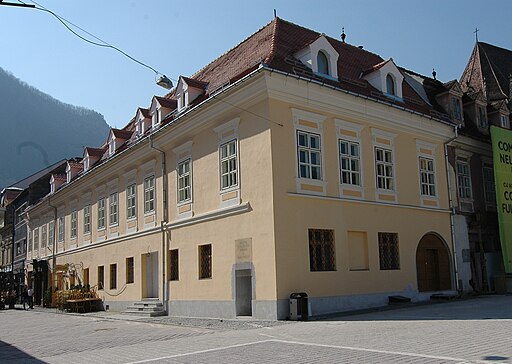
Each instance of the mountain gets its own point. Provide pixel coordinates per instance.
(36, 130)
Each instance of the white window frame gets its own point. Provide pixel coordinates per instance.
(306, 149)
(184, 181)
(44, 236)
(131, 201)
(61, 229)
(229, 194)
(229, 159)
(388, 180)
(36, 240)
(51, 233)
(29, 241)
(149, 195)
(465, 179)
(101, 213)
(74, 224)
(428, 174)
(113, 215)
(87, 219)
(349, 157)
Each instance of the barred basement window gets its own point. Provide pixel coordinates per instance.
(175, 271)
(101, 276)
(205, 261)
(113, 276)
(129, 270)
(389, 254)
(321, 250)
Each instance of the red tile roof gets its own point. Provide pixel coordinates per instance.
(195, 83)
(167, 103)
(122, 134)
(145, 112)
(95, 152)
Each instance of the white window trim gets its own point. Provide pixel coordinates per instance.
(228, 132)
(356, 129)
(422, 145)
(104, 199)
(134, 217)
(73, 221)
(87, 232)
(183, 153)
(464, 199)
(318, 120)
(390, 137)
(153, 211)
(113, 216)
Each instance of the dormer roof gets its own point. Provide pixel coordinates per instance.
(121, 134)
(94, 152)
(166, 102)
(145, 113)
(194, 83)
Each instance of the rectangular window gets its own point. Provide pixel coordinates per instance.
(389, 255)
(184, 181)
(74, 221)
(205, 261)
(384, 169)
(504, 121)
(457, 113)
(29, 241)
(463, 180)
(85, 277)
(87, 219)
(36, 239)
(112, 220)
(61, 229)
(101, 213)
(350, 171)
(309, 155)
(101, 277)
(482, 119)
(427, 177)
(321, 250)
(44, 237)
(228, 164)
(51, 234)
(175, 270)
(129, 270)
(113, 276)
(131, 201)
(489, 186)
(149, 194)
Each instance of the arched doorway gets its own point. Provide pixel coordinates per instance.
(433, 264)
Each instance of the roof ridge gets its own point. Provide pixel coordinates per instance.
(273, 46)
(494, 46)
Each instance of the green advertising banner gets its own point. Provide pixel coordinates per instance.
(502, 157)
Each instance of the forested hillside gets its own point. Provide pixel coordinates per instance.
(37, 130)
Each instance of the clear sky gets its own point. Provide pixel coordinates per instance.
(180, 37)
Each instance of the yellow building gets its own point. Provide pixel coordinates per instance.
(294, 162)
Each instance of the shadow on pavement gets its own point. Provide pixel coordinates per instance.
(498, 307)
(12, 354)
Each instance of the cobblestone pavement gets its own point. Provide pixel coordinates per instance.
(470, 331)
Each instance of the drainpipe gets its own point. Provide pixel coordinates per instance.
(452, 207)
(54, 248)
(13, 232)
(163, 223)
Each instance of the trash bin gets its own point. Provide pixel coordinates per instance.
(299, 306)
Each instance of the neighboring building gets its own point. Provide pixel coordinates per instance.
(294, 162)
(14, 232)
(484, 93)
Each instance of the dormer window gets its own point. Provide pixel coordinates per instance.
(456, 109)
(155, 118)
(183, 103)
(482, 118)
(390, 85)
(112, 145)
(86, 163)
(323, 63)
(68, 173)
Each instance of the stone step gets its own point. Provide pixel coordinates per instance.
(148, 304)
(144, 313)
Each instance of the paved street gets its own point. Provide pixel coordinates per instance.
(477, 330)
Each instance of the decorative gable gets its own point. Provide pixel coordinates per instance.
(116, 138)
(387, 78)
(321, 57)
(72, 169)
(91, 156)
(188, 90)
(159, 109)
(142, 121)
(56, 180)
